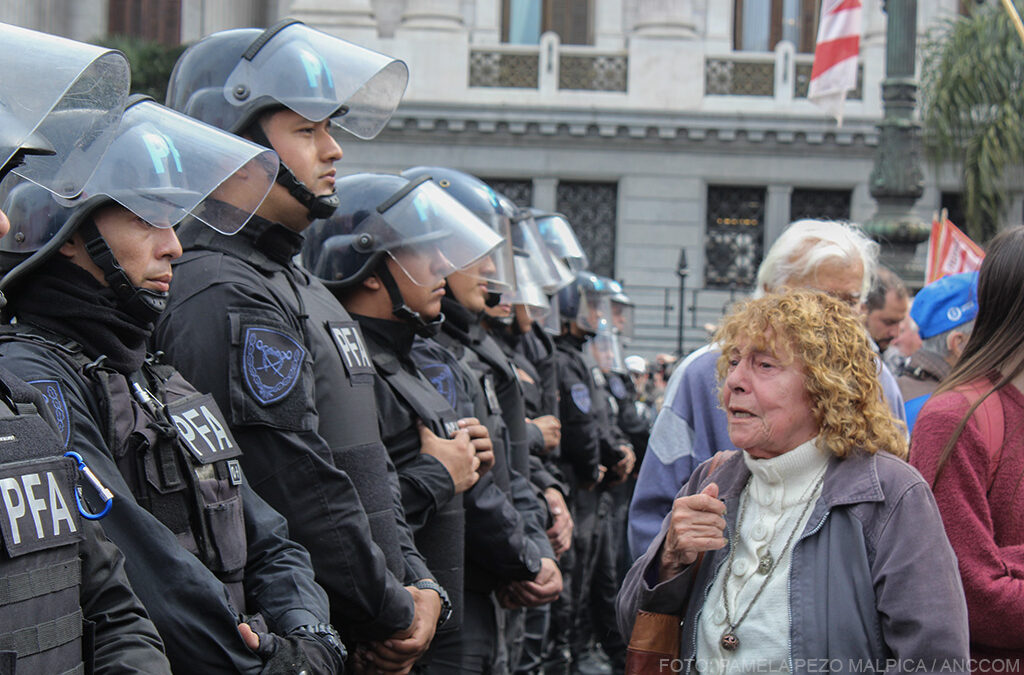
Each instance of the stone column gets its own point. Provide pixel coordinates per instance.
(609, 31)
(666, 60)
(664, 18)
(777, 214)
(434, 15)
(348, 19)
(545, 193)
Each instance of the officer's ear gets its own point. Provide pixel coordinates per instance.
(373, 283)
(73, 247)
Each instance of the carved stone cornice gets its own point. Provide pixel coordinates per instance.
(744, 133)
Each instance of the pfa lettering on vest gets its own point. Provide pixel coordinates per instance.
(203, 429)
(349, 341)
(38, 502)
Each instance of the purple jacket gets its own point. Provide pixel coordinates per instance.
(873, 578)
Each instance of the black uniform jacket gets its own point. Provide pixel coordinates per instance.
(497, 547)
(463, 334)
(288, 366)
(187, 602)
(581, 442)
(540, 397)
(122, 638)
(405, 398)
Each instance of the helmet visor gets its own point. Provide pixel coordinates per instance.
(429, 234)
(62, 104)
(607, 352)
(320, 76)
(623, 318)
(499, 269)
(595, 312)
(164, 166)
(548, 270)
(552, 322)
(559, 236)
(529, 291)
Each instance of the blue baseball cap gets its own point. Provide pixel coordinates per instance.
(945, 304)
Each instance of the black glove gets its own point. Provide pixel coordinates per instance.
(301, 652)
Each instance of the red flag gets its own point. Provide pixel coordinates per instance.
(835, 56)
(950, 251)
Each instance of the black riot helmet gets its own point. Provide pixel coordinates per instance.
(60, 101)
(162, 166)
(587, 303)
(229, 79)
(560, 237)
(384, 216)
(494, 209)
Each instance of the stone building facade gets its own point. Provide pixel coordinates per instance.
(664, 129)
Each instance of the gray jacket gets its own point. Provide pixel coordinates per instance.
(873, 576)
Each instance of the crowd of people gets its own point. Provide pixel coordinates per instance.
(259, 418)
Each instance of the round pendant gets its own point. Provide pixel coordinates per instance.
(730, 642)
(764, 563)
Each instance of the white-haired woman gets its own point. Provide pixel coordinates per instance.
(833, 257)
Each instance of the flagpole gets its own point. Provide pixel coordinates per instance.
(1015, 17)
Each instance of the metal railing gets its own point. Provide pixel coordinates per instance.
(549, 66)
(662, 327)
(782, 74)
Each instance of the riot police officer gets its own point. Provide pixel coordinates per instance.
(211, 561)
(386, 254)
(69, 576)
(463, 334)
(281, 356)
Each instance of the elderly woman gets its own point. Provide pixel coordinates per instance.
(815, 547)
(835, 258)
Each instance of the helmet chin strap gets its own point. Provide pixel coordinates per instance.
(142, 304)
(317, 207)
(402, 311)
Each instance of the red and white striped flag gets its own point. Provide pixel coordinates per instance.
(835, 56)
(950, 251)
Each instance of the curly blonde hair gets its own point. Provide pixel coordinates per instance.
(841, 367)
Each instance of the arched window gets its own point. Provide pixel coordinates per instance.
(759, 25)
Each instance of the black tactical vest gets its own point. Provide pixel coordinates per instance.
(175, 451)
(440, 540)
(343, 376)
(41, 621)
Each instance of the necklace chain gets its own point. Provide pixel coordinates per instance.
(774, 563)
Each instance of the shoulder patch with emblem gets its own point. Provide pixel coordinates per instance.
(349, 341)
(581, 397)
(617, 388)
(441, 376)
(54, 396)
(272, 363)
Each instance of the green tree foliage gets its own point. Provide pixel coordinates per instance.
(151, 63)
(973, 108)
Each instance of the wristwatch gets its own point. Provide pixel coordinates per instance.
(446, 604)
(325, 633)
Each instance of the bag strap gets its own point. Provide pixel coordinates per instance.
(989, 416)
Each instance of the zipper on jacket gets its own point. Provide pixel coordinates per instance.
(789, 581)
(696, 618)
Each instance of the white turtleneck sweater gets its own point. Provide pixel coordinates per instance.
(772, 506)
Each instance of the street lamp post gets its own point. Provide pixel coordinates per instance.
(682, 269)
(896, 180)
